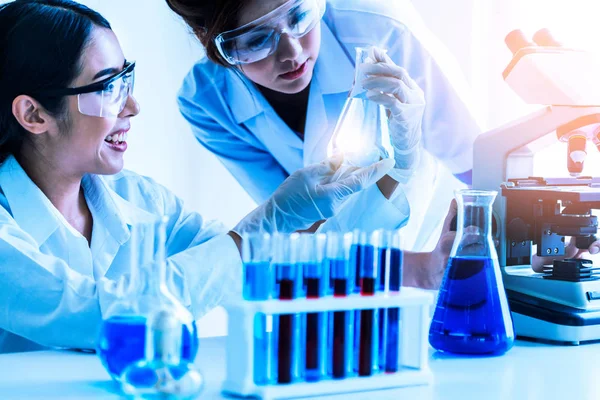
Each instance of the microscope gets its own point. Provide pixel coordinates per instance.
(534, 215)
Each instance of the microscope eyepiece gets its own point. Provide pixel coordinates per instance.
(544, 37)
(516, 40)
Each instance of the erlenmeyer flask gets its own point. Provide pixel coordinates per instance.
(361, 133)
(472, 314)
(148, 339)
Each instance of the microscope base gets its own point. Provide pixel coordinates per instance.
(540, 319)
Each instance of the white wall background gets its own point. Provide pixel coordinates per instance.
(162, 146)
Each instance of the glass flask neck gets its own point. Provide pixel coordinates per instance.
(362, 56)
(153, 279)
(474, 224)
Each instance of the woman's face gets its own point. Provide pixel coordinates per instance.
(90, 144)
(290, 68)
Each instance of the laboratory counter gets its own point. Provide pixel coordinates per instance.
(529, 371)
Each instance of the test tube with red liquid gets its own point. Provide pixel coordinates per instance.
(311, 259)
(341, 323)
(287, 327)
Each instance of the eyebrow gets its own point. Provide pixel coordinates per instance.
(109, 71)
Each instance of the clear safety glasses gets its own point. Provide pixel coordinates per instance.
(106, 98)
(259, 39)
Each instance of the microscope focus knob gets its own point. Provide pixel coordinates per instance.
(517, 230)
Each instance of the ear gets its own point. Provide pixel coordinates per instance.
(31, 115)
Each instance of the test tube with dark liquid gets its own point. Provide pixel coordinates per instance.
(341, 326)
(287, 326)
(311, 259)
(390, 260)
(258, 285)
(363, 262)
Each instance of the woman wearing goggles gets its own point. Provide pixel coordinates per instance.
(66, 207)
(274, 83)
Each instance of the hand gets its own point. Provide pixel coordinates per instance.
(312, 194)
(391, 86)
(571, 251)
(428, 271)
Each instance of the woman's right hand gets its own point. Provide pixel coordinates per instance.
(312, 194)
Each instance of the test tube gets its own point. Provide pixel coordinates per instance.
(287, 326)
(362, 252)
(390, 260)
(367, 342)
(258, 285)
(311, 259)
(341, 326)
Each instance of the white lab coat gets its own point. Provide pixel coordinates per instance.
(54, 286)
(231, 118)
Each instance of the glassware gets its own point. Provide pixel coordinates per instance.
(472, 314)
(361, 132)
(341, 323)
(148, 339)
(311, 252)
(390, 260)
(259, 281)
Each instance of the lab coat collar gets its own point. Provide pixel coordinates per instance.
(245, 101)
(334, 69)
(116, 213)
(29, 206)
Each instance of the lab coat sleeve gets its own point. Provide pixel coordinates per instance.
(206, 263)
(43, 299)
(256, 170)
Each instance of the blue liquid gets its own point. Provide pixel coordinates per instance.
(258, 280)
(258, 285)
(362, 258)
(389, 319)
(472, 314)
(123, 339)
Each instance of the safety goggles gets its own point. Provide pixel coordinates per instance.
(259, 39)
(106, 98)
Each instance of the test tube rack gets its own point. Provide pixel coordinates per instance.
(414, 318)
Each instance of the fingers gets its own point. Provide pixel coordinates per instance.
(365, 177)
(595, 247)
(389, 70)
(452, 212)
(392, 103)
(387, 84)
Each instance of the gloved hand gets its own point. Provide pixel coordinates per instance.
(391, 86)
(312, 194)
(571, 251)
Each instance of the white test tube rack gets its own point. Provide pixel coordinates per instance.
(413, 366)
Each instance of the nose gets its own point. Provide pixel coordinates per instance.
(131, 109)
(289, 48)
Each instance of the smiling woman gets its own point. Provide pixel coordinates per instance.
(67, 207)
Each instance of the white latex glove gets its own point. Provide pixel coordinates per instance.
(312, 194)
(391, 86)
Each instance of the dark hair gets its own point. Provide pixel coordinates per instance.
(41, 43)
(207, 19)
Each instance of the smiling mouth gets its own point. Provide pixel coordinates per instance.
(117, 138)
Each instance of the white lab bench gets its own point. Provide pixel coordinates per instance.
(529, 371)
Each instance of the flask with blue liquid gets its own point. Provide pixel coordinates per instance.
(148, 339)
(472, 314)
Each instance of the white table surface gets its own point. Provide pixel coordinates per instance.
(529, 371)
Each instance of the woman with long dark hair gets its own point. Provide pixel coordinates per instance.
(67, 207)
